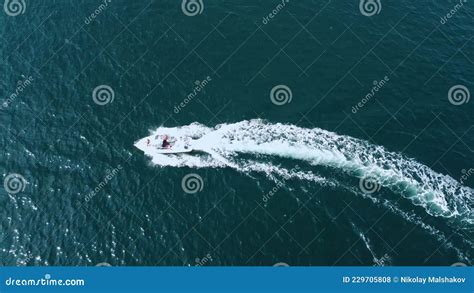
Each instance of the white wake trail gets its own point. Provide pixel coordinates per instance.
(222, 146)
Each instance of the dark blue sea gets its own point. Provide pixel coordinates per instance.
(323, 132)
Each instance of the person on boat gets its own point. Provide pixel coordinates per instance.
(165, 143)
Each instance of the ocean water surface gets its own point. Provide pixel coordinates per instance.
(324, 132)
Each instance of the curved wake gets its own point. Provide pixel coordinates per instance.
(222, 146)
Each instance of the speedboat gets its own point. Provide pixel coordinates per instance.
(163, 144)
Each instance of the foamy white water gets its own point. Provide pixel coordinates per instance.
(440, 195)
